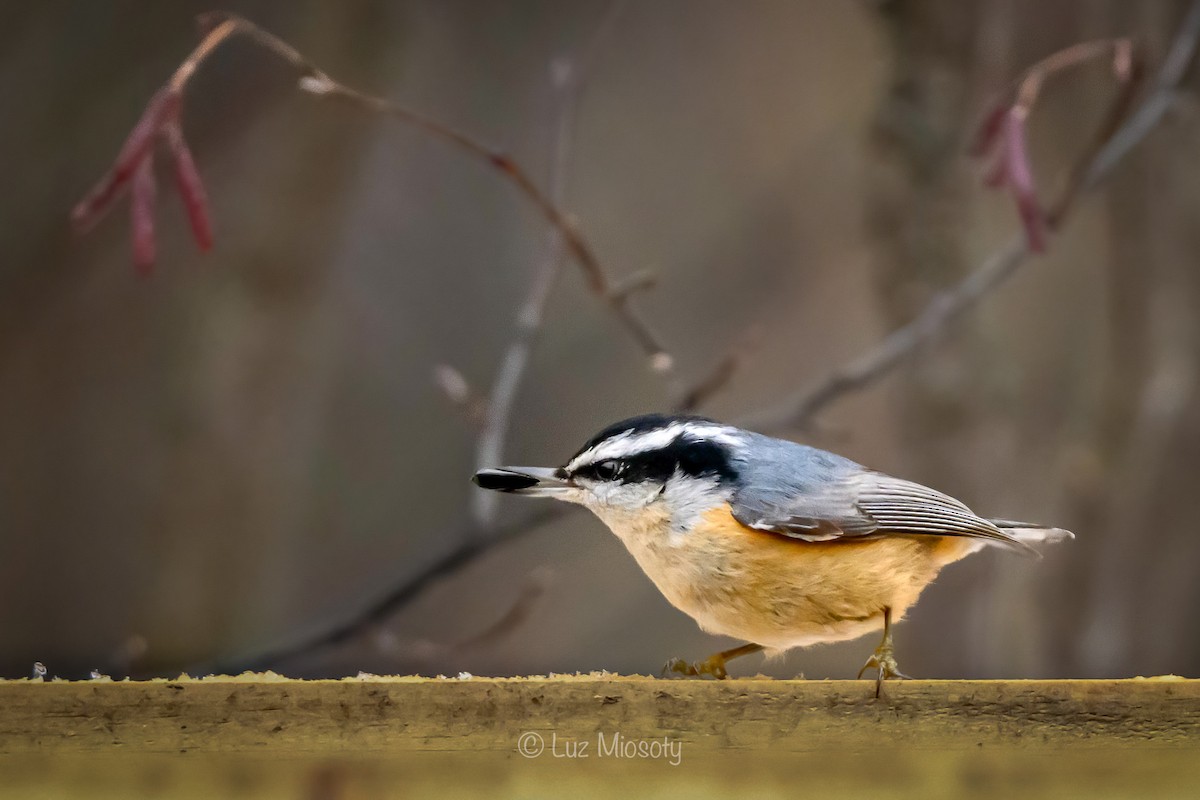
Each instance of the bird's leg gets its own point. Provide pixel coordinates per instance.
(713, 665)
(884, 657)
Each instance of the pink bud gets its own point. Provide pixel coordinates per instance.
(191, 187)
(141, 208)
(1020, 180)
(164, 106)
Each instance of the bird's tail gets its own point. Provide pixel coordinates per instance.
(1028, 533)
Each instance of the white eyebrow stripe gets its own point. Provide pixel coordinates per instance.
(629, 443)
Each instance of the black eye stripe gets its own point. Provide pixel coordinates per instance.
(692, 457)
(704, 458)
(605, 470)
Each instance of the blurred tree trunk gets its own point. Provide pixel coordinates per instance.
(959, 400)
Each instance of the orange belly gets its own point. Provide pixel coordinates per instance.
(783, 593)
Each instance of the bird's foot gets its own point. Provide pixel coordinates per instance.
(883, 660)
(713, 665)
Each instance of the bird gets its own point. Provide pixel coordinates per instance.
(768, 541)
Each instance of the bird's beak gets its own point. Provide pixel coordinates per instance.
(535, 481)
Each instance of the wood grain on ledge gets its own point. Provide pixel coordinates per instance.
(395, 715)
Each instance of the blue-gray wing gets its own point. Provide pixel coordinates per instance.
(850, 502)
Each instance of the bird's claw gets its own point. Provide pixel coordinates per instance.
(883, 660)
(695, 669)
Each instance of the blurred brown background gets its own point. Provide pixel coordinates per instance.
(249, 446)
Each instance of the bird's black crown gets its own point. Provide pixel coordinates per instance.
(691, 455)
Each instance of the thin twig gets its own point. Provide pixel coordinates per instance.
(1161, 97)
(1029, 85)
(946, 307)
(221, 27)
(900, 344)
(570, 78)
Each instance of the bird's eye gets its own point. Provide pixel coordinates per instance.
(607, 470)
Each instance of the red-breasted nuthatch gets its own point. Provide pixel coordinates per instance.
(766, 540)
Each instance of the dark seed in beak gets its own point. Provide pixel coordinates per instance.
(500, 480)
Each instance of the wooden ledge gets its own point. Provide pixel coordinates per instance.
(272, 715)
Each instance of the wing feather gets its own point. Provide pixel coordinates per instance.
(865, 504)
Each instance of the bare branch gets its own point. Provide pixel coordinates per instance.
(570, 78)
(900, 344)
(222, 27)
(1151, 110)
(880, 360)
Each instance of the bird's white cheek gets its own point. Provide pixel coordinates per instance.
(689, 499)
(624, 496)
(624, 507)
